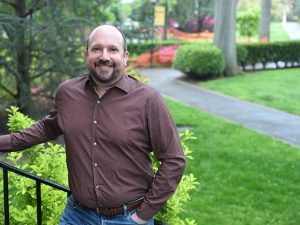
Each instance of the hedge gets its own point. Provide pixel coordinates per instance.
(142, 47)
(247, 54)
(286, 52)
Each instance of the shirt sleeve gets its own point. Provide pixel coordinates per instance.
(167, 149)
(42, 131)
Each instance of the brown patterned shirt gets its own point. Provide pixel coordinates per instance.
(108, 142)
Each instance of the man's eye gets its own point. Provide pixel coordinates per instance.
(113, 49)
(96, 49)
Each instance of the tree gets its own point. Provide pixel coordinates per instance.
(42, 42)
(296, 8)
(247, 21)
(280, 9)
(180, 11)
(265, 19)
(189, 11)
(243, 5)
(225, 17)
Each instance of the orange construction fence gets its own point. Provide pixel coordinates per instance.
(180, 35)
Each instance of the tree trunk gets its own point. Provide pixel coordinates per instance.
(225, 26)
(264, 22)
(23, 61)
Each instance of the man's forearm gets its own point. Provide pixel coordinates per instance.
(163, 187)
(5, 143)
(36, 134)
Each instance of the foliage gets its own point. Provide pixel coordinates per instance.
(36, 160)
(247, 54)
(35, 51)
(296, 8)
(142, 12)
(185, 15)
(192, 16)
(243, 5)
(132, 72)
(202, 23)
(200, 61)
(248, 20)
(142, 47)
(162, 56)
(287, 52)
(170, 214)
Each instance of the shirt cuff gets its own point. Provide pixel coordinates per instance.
(5, 142)
(146, 212)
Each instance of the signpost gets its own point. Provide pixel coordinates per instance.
(159, 15)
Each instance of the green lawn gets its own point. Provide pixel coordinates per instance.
(277, 32)
(245, 177)
(274, 88)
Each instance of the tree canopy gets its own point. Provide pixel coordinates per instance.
(42, 43)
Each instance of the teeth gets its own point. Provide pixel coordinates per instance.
(104, 64)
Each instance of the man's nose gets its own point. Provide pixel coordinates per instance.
(104, 55)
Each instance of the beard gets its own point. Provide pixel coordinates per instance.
(105, 72)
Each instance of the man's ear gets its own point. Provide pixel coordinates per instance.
(86, 53)
(125, 59)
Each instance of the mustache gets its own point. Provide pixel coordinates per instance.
(104, 63)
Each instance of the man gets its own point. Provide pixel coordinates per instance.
(110, 122)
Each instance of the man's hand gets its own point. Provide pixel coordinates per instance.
(137, 219)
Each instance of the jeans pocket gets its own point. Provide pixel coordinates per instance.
(134, 222)
(72, 203)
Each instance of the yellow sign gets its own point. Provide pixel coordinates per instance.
(159, 15)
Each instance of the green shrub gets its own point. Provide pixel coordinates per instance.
(142, 47)
(138, 48)
(170, 214)
(286, 52)
(134, 73)
(200, 61)
(37, 160)
(242, 54)
(248, 20)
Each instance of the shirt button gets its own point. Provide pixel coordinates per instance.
(98, 102)
(98, 187)
(94, 143)
(95, 121)
(95, 164)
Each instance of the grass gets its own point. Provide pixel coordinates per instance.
(277, 32)
(245, 177)
(274, 88)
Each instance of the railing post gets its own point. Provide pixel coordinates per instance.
(38, 203)
(39, 181)
(6, 201)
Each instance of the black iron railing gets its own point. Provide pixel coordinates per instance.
(8, 168)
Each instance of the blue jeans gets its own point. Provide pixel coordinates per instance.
(75, 214)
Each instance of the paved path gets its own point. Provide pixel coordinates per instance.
(265, 120)
(293, 30)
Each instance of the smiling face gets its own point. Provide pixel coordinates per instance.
(105, 56)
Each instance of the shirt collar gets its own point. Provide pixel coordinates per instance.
(123, 83)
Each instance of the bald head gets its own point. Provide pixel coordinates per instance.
(109, 29)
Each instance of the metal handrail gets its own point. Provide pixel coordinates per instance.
(6, 167)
